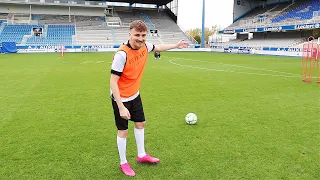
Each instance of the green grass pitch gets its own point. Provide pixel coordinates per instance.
(256, 119)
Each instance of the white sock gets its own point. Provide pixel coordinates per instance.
(139, 134)
(122, 144)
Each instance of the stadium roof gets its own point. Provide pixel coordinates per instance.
(157, 2)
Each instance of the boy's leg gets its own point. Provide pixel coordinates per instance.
(122, 126)
(137, 115)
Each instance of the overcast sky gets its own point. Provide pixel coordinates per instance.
(218, 12)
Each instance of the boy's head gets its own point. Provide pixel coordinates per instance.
(137, 34)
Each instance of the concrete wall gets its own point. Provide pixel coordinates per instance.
(53, 10)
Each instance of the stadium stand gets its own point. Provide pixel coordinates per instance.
(58, 28)
(94, 36)
(15, 33)
(117, 32)
(168, 30)
(56, 35)
(275, 15)
(278, 14)
(302, 12)
(54, 19)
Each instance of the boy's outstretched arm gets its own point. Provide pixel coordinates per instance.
(164, 47)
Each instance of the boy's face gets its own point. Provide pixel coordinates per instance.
(137, 39)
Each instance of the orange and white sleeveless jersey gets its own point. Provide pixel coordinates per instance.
(129, 64)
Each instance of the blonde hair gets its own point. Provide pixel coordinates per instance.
(138, 25)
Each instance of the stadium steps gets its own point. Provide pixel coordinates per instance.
(98, 37)
(188, 36)
(168, 30)
(273, 14)
(293, 7)
(45, 31)
(275, 7)
(298, 43)
(160, 40)
(270, 42)
(287, 7)
(74, 39)
(25, 39)
(1, 27)
(114, 37)
(147, 21)
(277, 10)
(113, 21)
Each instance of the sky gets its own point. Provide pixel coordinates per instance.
(218, 12)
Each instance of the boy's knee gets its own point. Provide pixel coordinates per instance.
(140, 125)
(123, 133)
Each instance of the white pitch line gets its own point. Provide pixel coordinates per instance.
(246, 67)
(237, 72)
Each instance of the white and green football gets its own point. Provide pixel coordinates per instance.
(191, 118)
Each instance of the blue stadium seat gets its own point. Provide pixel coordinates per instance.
(15, 33)
(56, 35)
(303, 12)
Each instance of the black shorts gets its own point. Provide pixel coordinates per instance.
(136, 111)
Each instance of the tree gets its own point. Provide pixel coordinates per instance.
(197, 38)
(197, 34)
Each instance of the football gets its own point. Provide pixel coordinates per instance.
(191, 118)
